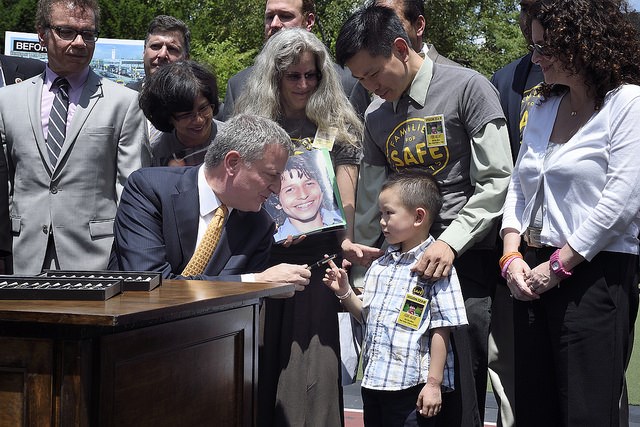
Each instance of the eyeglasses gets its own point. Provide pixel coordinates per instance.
(539, 49)
(69, 34)
(205, 112)
(295, 77)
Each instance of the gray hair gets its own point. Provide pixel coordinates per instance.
(328, 106)
(248, 135)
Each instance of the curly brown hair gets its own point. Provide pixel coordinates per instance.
(594, 38)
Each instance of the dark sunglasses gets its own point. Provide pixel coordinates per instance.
(539, 49)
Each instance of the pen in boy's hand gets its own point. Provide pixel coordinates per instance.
(322, 262)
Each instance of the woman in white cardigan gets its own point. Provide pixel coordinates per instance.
(573, 204)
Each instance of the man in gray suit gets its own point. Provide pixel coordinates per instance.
(13, 70)
(65, 188)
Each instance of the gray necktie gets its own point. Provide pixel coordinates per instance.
(58, 119)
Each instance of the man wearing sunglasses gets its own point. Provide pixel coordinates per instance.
(281, 14)
(72, 139)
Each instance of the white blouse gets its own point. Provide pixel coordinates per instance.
(591, 184)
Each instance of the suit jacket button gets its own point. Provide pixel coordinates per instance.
(45, 229)
(54, 190)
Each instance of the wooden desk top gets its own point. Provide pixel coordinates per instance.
(174, 299)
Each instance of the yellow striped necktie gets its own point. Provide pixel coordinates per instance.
(208, 244)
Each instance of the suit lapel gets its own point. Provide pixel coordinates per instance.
(186, 211)
(521, 74)
(34, 105)
(10, 72)
(91, 92)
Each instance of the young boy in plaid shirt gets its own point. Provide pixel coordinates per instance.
(408, 361)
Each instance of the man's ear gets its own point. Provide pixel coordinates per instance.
(232, 162)
(42, 36)
(401, 49)
(419, 26)
(309, 21)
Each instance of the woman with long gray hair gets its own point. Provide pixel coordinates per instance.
(294, 82)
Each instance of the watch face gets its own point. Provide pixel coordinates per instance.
(555, 266)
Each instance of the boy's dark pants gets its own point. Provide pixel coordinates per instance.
(393, 408)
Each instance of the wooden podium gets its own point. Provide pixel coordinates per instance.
(184, 354)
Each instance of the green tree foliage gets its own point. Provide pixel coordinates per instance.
(224, 58)
(115, 24)
(17, 15)
(481, 34)
(331, 14)
(227, 34)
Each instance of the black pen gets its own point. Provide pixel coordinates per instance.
(322, 262)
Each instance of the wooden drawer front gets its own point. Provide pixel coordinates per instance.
(191, 372)
(26, 368)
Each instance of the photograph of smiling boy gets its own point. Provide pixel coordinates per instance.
(307, 202)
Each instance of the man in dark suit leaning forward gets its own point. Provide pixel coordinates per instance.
(164, 212)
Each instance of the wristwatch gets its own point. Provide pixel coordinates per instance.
(557, 267)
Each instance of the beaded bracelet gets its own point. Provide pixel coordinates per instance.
(345, 296)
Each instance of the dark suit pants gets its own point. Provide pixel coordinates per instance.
(571, 346)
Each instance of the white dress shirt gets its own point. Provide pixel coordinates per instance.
(209, 202)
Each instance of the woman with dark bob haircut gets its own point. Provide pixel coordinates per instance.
(574, 198)
(180, 100)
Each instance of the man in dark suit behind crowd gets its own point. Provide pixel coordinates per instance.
(164, 212)
(168, 40)
(13, 70)
(67, 169)
(281, 14)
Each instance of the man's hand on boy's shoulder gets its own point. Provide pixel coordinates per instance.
(436, 261)
(360, 254)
